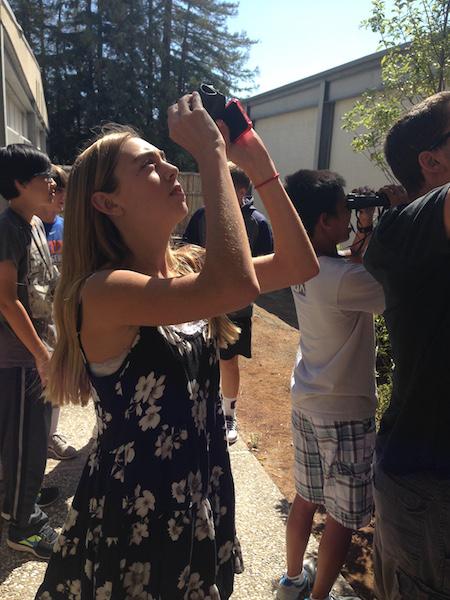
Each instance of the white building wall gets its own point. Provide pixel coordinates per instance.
(290, 139)
(356, 169)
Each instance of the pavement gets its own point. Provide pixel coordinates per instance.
(261, 516)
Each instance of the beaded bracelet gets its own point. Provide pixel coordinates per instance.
(274, 176)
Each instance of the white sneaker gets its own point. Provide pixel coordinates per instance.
(232, 434)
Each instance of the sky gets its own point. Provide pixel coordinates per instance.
(298, 38)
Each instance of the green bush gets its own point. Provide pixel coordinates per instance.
(384, 367)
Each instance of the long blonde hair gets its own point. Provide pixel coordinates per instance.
(101, 245)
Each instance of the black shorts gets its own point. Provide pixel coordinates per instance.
(243, 345)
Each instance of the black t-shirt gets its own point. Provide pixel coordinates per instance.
(409, 254)
(25, 245)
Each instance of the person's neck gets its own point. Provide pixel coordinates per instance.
(325, 248)
(47, 216)
(427, 187)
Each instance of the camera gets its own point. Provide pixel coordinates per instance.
(231, 112)
(358, 201)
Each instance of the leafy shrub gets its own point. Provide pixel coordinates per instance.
(384, 367)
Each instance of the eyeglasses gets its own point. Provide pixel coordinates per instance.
(46, 175)
(440, 141)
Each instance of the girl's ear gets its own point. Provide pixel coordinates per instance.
(105, 204)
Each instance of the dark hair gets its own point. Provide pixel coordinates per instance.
(20, 162)
(60, 176)
(239, 177)
(418, 130)
(314, 193)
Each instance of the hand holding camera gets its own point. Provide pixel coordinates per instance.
(192, 128)
(231, 112)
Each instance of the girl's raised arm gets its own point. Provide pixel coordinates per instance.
(294, 260)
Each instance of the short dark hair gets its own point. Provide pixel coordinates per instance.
(59, 176)
(418, 130)
(20, 162)
(314, 193)
(239, 177)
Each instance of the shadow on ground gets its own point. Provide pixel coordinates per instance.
(65, 475)
(281, 304)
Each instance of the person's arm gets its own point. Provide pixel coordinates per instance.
(293, 260)
(359, 291)
(226, 282)
(17, 317)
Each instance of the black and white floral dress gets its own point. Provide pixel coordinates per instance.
(153, 515)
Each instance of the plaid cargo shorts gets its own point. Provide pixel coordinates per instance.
(333, 466)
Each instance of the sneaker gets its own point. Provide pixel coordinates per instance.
(39, 544)
(59, 448)
(231, 425)
(288, 590)
(47, 496)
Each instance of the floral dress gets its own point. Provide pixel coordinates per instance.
(153, 515)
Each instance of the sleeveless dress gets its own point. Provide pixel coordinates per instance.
(153, 515)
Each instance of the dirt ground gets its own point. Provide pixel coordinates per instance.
(264, 417)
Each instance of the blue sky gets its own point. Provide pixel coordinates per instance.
(298, 38)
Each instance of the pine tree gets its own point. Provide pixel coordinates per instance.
(127, 61)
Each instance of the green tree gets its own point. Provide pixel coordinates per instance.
(127, 61)
(416, 64)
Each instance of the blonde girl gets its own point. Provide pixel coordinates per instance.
(138, 325)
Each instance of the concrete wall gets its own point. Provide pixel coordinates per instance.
(23, 113)
(301, 123)
(25, 57)
(290, 138)
(356, 169)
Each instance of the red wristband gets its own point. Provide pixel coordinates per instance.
(274, 176)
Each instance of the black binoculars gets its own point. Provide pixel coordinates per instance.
(231, 112)
(359, 201)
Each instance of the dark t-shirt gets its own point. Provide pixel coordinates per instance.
(409, 254)
(25, 245)
(258, 231)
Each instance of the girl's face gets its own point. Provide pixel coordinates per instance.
(148, 190)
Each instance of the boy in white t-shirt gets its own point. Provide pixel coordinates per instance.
(333, 390)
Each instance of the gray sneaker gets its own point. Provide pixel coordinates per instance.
(287, 590)
(59, 448)
(232, 433)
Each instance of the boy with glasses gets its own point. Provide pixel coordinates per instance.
(27, 279)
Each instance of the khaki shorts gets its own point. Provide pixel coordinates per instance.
(333, 466)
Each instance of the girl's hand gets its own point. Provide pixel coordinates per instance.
(191, 127)
(249, 153)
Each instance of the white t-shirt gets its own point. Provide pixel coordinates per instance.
(334, 373)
